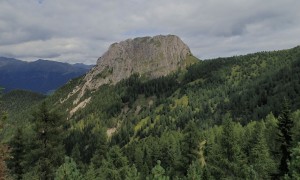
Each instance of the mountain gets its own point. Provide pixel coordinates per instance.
(211, 119)
(41, 76)
(248, 87)
(149, 57)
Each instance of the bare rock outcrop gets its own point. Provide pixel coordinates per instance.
(150, 57)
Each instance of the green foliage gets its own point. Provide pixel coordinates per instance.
(263, 164)
(83, 144)
(190, 143)
(46, 149)
(195, 171)
(115, 166)
(3, 147)
(294, 166)
(17, 105)
(133, 174)
(68, 171)
(219, 119)
(91, 173)
(16, 160)
(158, 172)
(285, 124)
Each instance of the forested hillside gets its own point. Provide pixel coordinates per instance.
(225, 118)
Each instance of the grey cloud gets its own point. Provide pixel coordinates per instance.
(81, 31)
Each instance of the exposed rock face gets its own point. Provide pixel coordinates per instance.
(151, 57)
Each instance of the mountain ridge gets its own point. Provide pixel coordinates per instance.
(41, 76)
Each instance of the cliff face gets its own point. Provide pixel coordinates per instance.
(150, 57)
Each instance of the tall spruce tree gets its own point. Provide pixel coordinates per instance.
(285, 125)
(15, 162)
(233, 160)
(190, 143)
(68, 171)
(259, 157)
(158, 172)
(47, 151)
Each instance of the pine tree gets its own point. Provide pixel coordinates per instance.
(259, 156)
(294, 166)
(115, 166)
(132, 174)
(15, 163)
(272, 130)
(232, 159)
(158, 172)
(91, 173)
(75, 155)
(101, 146)
(195, 171)
(68, 171)
(138, 157)
(190, 143)
(285, 125)
(47, 149)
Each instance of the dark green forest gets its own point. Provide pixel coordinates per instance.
(224, 118)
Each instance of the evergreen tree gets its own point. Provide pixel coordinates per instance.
(195, 171)
(115, 166)
(138, 157)
(75, 155)
(15, 163)
(132, 174)
(229, 141)
(259, 156)
(271, 131)
(158, 172)
(233, 160)
(91, 173)
(294, 165)
(171, 153)
(68, 171)
(101, 148)
(285, 125)
(47, 149)
(190, 143)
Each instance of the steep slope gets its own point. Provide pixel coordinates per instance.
(216, 119)
(150, 57)
(40, 76)
(248, 87)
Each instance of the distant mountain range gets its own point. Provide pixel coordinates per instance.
(42, 76)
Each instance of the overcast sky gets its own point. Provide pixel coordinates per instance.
(82, 30)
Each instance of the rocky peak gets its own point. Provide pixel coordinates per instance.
(148, 56)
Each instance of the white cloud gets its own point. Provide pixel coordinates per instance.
(81, 31)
